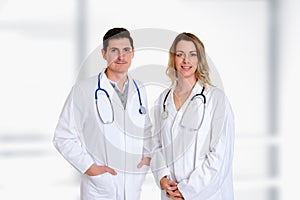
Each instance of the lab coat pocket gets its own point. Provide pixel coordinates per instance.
(193, 115)
(101, 187)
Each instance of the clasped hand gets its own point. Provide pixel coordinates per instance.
(171, 189)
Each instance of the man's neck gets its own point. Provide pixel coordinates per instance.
(118, 78)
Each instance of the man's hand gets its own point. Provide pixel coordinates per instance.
(95, 170)
(144, 161)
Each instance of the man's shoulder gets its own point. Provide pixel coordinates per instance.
(87, 81)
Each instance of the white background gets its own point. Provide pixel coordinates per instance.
(44, 43)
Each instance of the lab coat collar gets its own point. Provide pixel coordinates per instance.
(105, 84)
(115, 85)
(196, 89)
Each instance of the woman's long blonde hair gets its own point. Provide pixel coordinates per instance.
(202, 71)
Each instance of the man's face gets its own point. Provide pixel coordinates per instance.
(119, 55)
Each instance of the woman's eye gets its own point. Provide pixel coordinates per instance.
(179, 54)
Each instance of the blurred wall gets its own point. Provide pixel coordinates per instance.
(45, 44)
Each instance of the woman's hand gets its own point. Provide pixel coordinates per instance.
(175, 195)
(171, 188)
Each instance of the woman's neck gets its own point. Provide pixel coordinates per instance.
(182, 91)
(185, 85)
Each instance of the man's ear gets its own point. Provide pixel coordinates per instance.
(132, 54)
(103, 54)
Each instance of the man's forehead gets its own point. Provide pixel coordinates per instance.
(119, 42)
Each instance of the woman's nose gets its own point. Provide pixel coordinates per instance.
(185, 59)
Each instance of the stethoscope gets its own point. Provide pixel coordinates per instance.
(165, 112)
(186, 122)
(108, 116)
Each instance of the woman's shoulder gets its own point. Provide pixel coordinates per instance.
(218, 97)
(215, 91)
(162, 96)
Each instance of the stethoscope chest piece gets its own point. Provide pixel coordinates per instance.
(142, 110)
(165, 114)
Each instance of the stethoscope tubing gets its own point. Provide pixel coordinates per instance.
(142, 109)
(101, 89)
(165, 115)
(165, 112)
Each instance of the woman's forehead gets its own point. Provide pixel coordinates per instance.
(184, 45)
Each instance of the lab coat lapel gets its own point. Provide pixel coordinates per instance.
(131, 90)
(196, 90)
(179, 114)
(105, 84)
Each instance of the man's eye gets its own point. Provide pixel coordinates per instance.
(127, 50)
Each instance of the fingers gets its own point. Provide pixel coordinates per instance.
(140, 164)
(144, 161)
(177, 198)
(109, 170)
(172, 188)
(174, 193)
(164, 183)
(167, 194)
(95, 170)
(147, 161)
(172, 183)
(173, 197)
(167, 184)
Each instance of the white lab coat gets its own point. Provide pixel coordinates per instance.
(200, 161)
(83, 139)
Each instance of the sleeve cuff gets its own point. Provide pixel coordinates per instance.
(182, 188)
(85, 165)
(160, 174)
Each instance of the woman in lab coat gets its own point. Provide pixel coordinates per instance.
(194, 129)
(102, 128)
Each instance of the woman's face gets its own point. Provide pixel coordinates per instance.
(186, 59)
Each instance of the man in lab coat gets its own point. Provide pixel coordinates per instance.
(104, 126)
